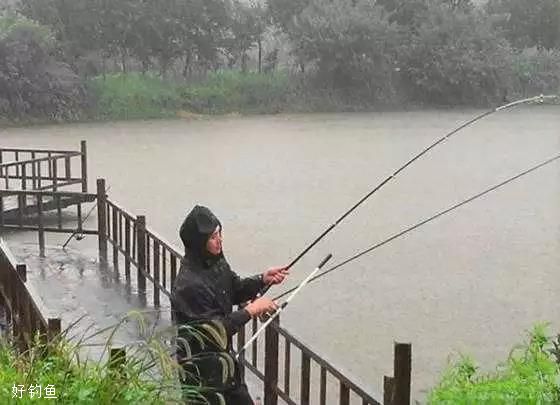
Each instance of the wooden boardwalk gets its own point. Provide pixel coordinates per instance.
(69, 285)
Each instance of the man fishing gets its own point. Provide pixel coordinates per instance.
(206, 289)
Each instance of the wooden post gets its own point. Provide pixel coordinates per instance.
(305, 378)
(55, 174)
(39, 175)
(22, 272)
(156, 273)
(24, 177)
(173, 276)
(240, 343)
(254, 347)
(141, 246)
(41, 225)
(128, 251)
(83, 150)
(67, 168)
(102, 220)
(53, 328)
(287, 367)
(117, 359)
(271, 363)
(323, 387)
(402, 370)
(388, 390)
(344, 394)
(33, 172)
(116, 241)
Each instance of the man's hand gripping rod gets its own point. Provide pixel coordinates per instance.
(285, 304)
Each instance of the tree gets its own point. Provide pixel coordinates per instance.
(248, 24)
(33, 83)
(283, 12)
(528, 23)
(455, 57)
(350, 44)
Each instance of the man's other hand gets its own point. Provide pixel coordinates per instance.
(275, 275)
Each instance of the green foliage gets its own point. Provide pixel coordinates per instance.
(529, 376)
(133, 96)
(450, 62)
(528, 23)
(344, 55)
(349, 44)
(225, 92)
(536, 72)
(77, 381)
(34, 82)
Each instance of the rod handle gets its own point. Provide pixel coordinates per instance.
(325, 260)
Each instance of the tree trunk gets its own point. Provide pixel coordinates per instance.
(244, 62)
(260, 54)
(123, 60)
(145, 65)
(187, 67)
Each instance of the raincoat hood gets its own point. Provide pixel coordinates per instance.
(199, 224)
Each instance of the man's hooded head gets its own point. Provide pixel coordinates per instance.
(196, 229)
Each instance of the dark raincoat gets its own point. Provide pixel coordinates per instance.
(207, 289)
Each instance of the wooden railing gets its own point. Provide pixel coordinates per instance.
(40, 169)
(27, 210)
(23, 315)
(157, 263)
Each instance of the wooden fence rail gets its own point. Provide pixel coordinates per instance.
(24, 316)
(40, 169)
(26, 210)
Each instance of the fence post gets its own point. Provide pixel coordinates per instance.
(117, 360)
(53, 328)
(141, 247)
(22, 272)
(41, 232)
(83, 150)
(271, 363)
(388, 384)
(102, 220)
(402, 370)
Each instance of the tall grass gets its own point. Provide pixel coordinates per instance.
(138, 96)
(531, 375)
(232, 91)
(133, 96)
(150, 374)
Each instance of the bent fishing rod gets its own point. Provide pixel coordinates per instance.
(284, 304)
(424, 222)
(539, 99)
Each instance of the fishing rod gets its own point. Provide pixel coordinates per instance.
(285, 304)
(540, 99)
(81, 236)
(424, 222)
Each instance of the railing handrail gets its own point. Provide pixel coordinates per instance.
(324, 363)
(36, 160)
(125, 213)
(9, 192)
(25, 150)
(164, 243)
